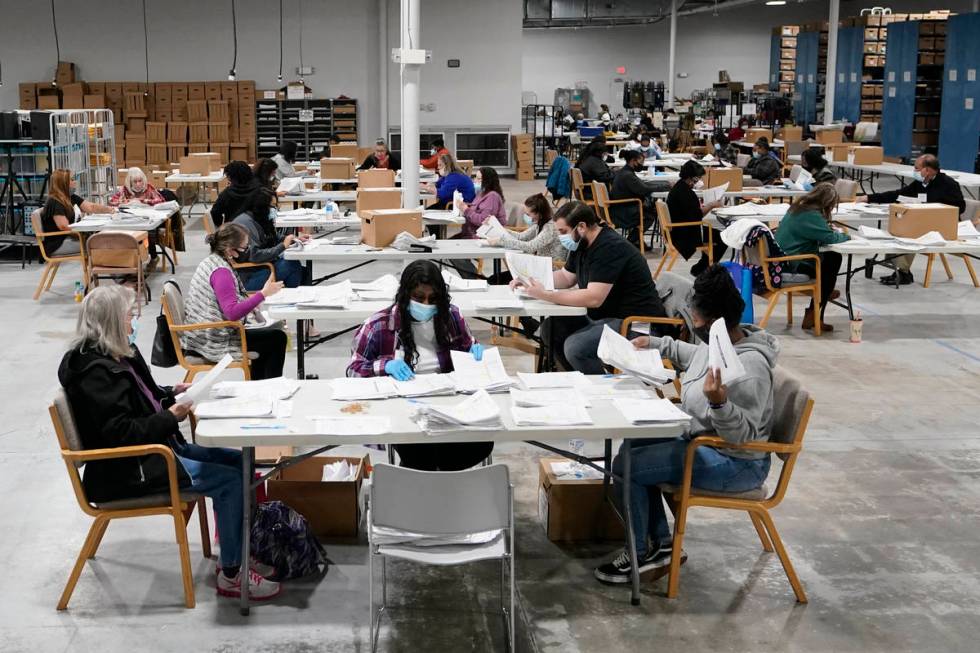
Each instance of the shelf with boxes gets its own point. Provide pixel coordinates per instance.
(782, 58)
(309, 122)
(523, 145)
(811, 68)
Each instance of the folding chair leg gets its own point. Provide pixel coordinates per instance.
(656, 274)
(189, 376)
(783, 556)
(949, 273)
(98, 538)
(789, 309)
(83, 555)
(817, 314)
(969, 268)
(674, 255)
(202, 517)
(680, 522)
(929, 259)
(769, 310)
(761, 530)
(180, 526)
(54, 272)
(44, 278)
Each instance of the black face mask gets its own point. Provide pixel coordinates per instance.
(702, 333)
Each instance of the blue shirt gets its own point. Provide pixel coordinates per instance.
(452, 182)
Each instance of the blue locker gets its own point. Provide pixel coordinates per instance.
(774, 56)
(799, 88)
(850, 58)
(901, 68)
(959, 126)
(807, 51)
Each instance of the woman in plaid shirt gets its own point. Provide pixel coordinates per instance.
(415, 335)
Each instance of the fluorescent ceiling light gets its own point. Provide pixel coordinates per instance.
(775, 3)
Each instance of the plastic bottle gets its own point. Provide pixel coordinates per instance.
(577, 447)
(79, 291)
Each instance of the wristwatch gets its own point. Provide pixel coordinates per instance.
(714, 406)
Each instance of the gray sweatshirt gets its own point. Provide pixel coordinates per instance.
(747, 415)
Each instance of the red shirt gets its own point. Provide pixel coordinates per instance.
(432, 162)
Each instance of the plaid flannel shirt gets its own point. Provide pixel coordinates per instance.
(376, 342)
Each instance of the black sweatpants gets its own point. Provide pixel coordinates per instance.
(443, 457)
(830, 264)
(270, 344)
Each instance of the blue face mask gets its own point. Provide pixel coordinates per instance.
(477, 187)
(421, 312)
(918, 177)
(528, 220)
(717, 147)
(135, 325)
(273, 213)
(756, 155)
(568, 242)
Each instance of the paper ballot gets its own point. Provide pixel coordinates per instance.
(525, 267)
(202, 389)
(871, 233)
(488, 373)
(721, 353)
(711, 195)
(491, 229)
(644, 364)
(650, 411)
(458, 283)
(291, 186)
(930, 239)
(457, 198)
(965, 229)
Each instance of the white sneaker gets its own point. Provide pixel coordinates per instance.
(259, 588)
(262, 569)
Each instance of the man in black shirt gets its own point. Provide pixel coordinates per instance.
(604, 274)
(628, 186)
(938, 188)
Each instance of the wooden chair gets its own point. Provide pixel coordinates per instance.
(772, 294)
(466, 165)
(173, 309)
(208, 223)
(792, 406)
(173, 503)
(578, 187)
(51, 262)
(931, 258)
(670, 252)
(115, 254)
(600, 193)
(670, 321)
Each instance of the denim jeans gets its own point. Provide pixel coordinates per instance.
(289, 272)
(576, 339)
(217, 473)
(662, 461)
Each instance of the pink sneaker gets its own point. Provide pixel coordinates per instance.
(259, 588)
(262, 569)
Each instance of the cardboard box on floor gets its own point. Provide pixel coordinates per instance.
(337, 168)
(914, 220)
(574, 510)
(379, 227)
(331, 508)
(718, 176)
(371, 199)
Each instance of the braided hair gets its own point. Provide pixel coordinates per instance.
(415, 274)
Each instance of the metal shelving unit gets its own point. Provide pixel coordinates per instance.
(309, 123)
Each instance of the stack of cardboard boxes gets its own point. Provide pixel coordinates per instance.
(524, 156)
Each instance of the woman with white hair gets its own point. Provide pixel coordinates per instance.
(117, 403)
(136, 190)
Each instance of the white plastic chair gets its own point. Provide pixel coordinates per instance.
(443, 505)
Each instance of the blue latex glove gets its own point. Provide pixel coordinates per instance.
(399, 370)
(477, 351)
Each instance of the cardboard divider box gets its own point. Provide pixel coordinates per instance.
(156, 132)
(344, 150)
(203, 163)
(839, 152)
(375, 178)
(830, 136)
(65, 73)
(72, 101)
(156, 153)
(238, 151)
(337, 167)
(212, 90)
(380, 227)
(756, 133)
(218, 132)
(221, 149)
(176, 151)
(866, 155)
(49, 102)
(195, 91)
(914, 220)
(135, 148)
(94, 101)
(370, 199)
(792, 133)
(176, 132)
(28, 96)
(163, 92)
(198, 132)
(218, 111)
(197, 111)
(332, 508)
(717, 176)
(574, 510)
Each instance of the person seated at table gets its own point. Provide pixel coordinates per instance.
(381, 158)
(592, 163)
(451, 178)
(117, 403)
(649, 148)
(604, 274)
(216, 294)
(265, 245)
(61, 209)
(489, 202)
(724, 149)
(684, 205)
(265, 175)
(136, 190)
(237, 195)
(765, 166)
(540, 237)
(813, 162)
(739, 412)
(414, 336)
(804, 230)
(938, 187)
(627, 185)
(285, 159)
(438, 151)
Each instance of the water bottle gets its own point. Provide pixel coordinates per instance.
(577, 447)
(79, 291)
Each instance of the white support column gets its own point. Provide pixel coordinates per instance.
(383, 59)
(828, 98)
(410, 76)
(669, 100)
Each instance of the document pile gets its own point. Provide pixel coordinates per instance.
(507, 301)
(650, 411)
(712, 195)
(965, 229)
(570, 414)
(471, 375)
(343, 425)
(478, 412)
(644, 364)
(385, 387)
(277, 388)
(381, 289)
(337, 296)
(339, 472)
(872, 233)
(556, 398)
(404, 241)
(291, 186)
(445, 217)
(456, 282)
(242, 407)
(544, 380)
(930, 239)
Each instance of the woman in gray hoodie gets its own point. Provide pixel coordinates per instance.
(739, 412)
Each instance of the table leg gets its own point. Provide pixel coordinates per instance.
(496, 267)
(847, 286)
(300, 349)
(630, 539)
(248, 460)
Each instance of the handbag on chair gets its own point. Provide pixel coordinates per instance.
(164, 354)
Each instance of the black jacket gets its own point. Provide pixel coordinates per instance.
(111, 411)
(594, 169)
(766, 169)
(627, 185)
(232, 202)
(684, 206)
(941, 190)
(394, 163)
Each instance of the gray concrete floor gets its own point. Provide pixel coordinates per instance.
(881, 519)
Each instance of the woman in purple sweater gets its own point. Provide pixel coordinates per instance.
(489, 202)
(216, 294)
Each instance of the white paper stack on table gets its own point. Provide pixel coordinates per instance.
(456, 282)
(337, 296)
(242, 407)
(405, 240)
(359, 425)
(538, 381)
(442, 216)
(929, 239)
(278, 388)
(650, 411)
(383, 288)
(475, 413)
(385, 387)
(572, 414)
(965, 229)
(291, 186)
(471, 375)
(644, 364)
(512, 301)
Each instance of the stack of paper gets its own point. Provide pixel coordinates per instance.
(549, 397)
(721, 353)
(874, 234)
(338, 472)
(491, 229)
(278, 388)
(476, 413)
(426, 385)
(457, 198)
(202, 388)
(930, 239)
(358, 388)
(405, 240)
(471, 375)
(569, 415)
(443, 216)
(525, 267)
(337, 296)
(496, 303)
(166, 206)
(567, 469)
(965, 229)
(612, 387)
(553, 380)
(644, 364)
(290, 296)
(235, 407)
(381, 289)
(650, 411)
(291, 186)
(456, 282)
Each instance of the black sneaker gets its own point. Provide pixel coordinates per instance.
(904, 278)
(618, 571)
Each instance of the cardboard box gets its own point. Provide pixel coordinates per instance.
(331, 508)
(72, 102)
(212, 90)
(238, 152)
(839, 152)
(379, 227)
(203, 163)
(48, 102)
(830, 136)
(136, 125)
(574, 510)
(135, 148)
(195, 91)
(792, 133)
(221, 149)
(197, 111)
(218, 132)
(525, 174)
(344, 150)
(65, 73)
(178, 92)
(156, 132)
(91, 101)
(119, 133)
(198, 132)
(372, 199)
(914, 220)
(176, 132)
(755, 133)
(337, 167)
(719, 176)
(217, 111)
(156, 153)
(866, 155)
(176, 151)
(375, 178)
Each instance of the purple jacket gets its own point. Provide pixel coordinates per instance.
(485, 205)
(376, 342)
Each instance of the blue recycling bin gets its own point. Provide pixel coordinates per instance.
(742, 276)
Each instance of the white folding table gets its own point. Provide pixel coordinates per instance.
(96, 222)
(198, 181)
